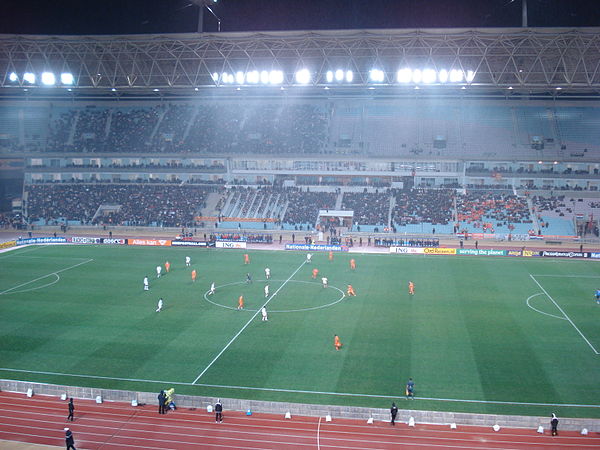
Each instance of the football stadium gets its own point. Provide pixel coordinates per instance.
(314, 224)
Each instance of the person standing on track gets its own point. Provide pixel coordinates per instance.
(69, 440)
(71, 409)
(218, 411)
(162, 400)
(554, 424)
(394, 413)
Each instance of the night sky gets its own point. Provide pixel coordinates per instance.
(179, 16)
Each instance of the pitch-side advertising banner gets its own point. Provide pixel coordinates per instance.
(407, 250)
(317, 247)
(225, 244)
(156, 242)
(480, 252)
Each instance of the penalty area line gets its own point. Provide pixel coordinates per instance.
(565, 315)
(291, 391)
(44, 276)
(247, 323)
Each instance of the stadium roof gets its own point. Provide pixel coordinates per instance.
(511, 60)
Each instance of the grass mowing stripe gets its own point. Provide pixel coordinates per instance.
(44, 276)
(300, 391)
(248, 323)
(565, 314)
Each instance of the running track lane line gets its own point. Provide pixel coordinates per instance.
(44, 276)
(248, 323)
(565, 314)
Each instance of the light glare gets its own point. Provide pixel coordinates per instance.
(13, 77)
(239, 77)
(349, 76)
(417, 75)
(48, 78)
(443, 76)
(329, 76)
(303, 76)
(339, 75)
(456, 75)
(404, 75)
(429, 76)
(29, 77)
(66, 78)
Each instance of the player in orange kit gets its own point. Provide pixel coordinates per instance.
(246, 258)
(350, 291)
(411, 288)
(167, 266)
(352, 264)
(315, 272)
(330, 256)
(336, 342)
(241, 302)
(194, 275)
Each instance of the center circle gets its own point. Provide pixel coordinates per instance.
(312, 308)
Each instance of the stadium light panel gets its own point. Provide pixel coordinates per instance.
(13, 77)
(155, 89)
(329, 76)
(253, 77)
(376, 75)
(470, 76)
(443, 76)
(339, 75)
(115, 89)
(276, 77)
(29, 77)
(215, 76)
(417, 76)
(66, 78)
(264, 77)
(349, 76)
(303, 76)
(48, 78)
(240, 77)
(404, 75)
(429, 76)
(456, 76)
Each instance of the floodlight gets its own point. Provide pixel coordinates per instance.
(417, 75)
(29, 77)
(66, 78)
(443, 75)
(264, 77)
(156, 89)
(13, 77)
(239, 77)
(329, 76)
(253, 77)
(115, 90)
(339, 75)
(404, 75)
(470, 76)
(276, 77)
(48, 78)
(349, 76)
(376, 75)
(215, 76)
(429, 76)
(456, 75)
(303, 76)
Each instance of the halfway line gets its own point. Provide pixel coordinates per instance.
(247, 323)
(564, 314)
(44, 276)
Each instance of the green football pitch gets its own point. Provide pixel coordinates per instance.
(480, 334)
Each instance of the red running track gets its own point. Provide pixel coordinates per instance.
(41, 419)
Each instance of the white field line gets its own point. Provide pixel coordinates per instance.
(9, 251)
(565, 315)
(296, 391)
(44, 276)
(541, 312)
(565, 276)
(247, 323)
(319, 434)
